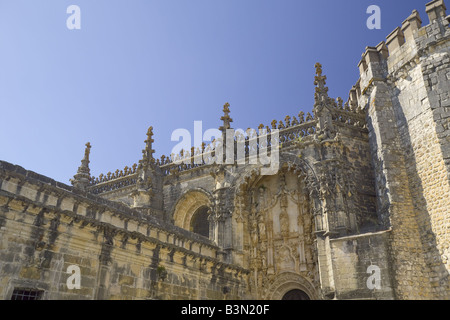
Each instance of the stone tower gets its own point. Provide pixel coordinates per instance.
(404, 90)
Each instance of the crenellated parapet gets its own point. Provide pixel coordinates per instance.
(403, 47)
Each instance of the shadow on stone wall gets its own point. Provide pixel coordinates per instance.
(438, 274)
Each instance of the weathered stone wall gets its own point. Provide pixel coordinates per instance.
(436, 182)
(428, 179)
(352, 258)
(46, 226)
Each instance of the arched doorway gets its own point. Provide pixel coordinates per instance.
(199, 222)
(295, 294)
(291, 286)
(188, 205)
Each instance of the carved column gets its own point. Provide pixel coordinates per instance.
(104, 270)
(224, 199)
(212, 226)
(303, 225)
(221, 218)
(238, 237)
(315, 204)
(270, 249)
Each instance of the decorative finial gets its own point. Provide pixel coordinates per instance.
(321, 95)
(318, 67)
(87, 151)
(149, 140)
(301, 116)
(340, 103)
(147, 153)
(320, 80)
(83, 177)
(226, 117)
(274, 124)
(287, 120)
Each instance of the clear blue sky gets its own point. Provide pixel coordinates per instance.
(166, 63)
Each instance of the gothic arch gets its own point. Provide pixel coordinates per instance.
(188, 204)
(300, 166)
(288, 281)
(252, 175)
(264, 254)
(248, 178)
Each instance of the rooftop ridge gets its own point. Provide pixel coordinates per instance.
(124, 210)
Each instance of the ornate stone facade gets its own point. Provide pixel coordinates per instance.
(362, 185)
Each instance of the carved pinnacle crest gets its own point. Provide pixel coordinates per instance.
(320, 80)
(321, 92)
(226, 117)
(82, 178)
(148, 151)
(318, 67)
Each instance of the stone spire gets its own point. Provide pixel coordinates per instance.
(226, 117)
(321, 103)
(147, 195)
(321, 96)
(147, 153)
(82, 179)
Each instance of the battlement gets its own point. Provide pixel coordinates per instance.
(436, 10)
(402, 47)
(410, 34)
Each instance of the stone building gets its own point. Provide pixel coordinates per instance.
(358, 207)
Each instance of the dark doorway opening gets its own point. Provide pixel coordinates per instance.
(296, 295)
(200, 223)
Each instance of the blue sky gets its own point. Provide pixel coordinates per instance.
(166, 63)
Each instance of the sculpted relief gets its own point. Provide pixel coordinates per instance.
(279, 226)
